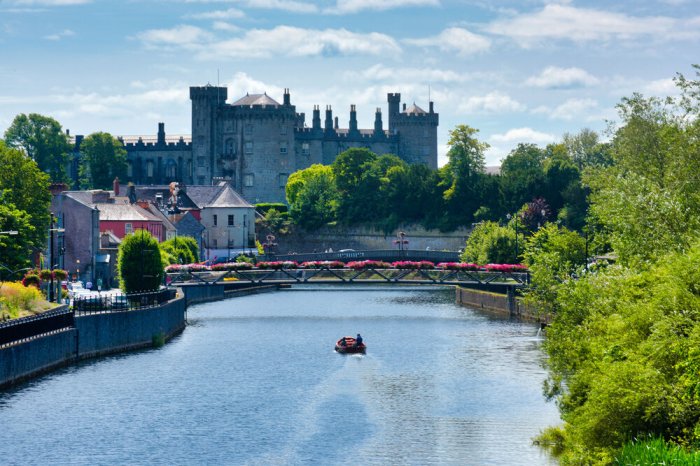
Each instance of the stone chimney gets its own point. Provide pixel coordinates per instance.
(115, 186)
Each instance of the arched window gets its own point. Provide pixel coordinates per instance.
(170, 170)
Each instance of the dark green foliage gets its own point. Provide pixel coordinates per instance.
(181, 250)
(43, 140)
(263, 207)
(103, 159)
(139, 263)
(490, 243)
(24, 191)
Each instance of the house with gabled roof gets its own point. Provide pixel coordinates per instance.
(228, 219)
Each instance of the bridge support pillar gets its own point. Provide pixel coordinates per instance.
(512, 303)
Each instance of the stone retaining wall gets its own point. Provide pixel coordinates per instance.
(497, 302)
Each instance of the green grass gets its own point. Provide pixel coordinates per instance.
(655, 451)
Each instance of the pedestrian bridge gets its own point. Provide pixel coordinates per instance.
(484, 279)
(388, 255)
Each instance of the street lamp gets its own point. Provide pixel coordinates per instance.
(401, 241)
(51, 231)
(269, 245)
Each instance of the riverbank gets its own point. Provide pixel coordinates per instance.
(507, 304)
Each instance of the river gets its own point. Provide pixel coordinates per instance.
(255, 381)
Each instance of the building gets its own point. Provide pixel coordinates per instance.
(255, 143)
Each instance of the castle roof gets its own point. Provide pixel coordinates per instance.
(256, 99)
(415, 110)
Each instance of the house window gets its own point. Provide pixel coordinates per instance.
(248, 180)
(305, 149)
(215, 220)
(283, 148)
(230, 220)
(128, 228)
(283, 179)
(248, 147)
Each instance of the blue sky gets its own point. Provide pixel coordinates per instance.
(519, 71)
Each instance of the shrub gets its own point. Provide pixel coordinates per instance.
(17, 297)
(31, 279)
(139, 263)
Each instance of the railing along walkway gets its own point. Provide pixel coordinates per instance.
(367, 275)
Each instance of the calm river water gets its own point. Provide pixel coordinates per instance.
(255, 381)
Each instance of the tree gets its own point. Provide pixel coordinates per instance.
(26, 188)
(357, 180)
(14, 249)
(522, 175)
(490, 243)
(586, 150)
(103, 158)
(43, 140)
(181, 250)
(139, 263)
(462, 174)
(312, 196)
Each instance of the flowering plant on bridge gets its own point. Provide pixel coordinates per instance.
(506, 267)
(459, 266)
(415, 265)
(195, 268)
(322, 264)
(368, 264)
(278, 265)
(225, 267)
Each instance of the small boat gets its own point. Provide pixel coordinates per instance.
(349, 345)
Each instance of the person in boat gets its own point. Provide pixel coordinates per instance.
(343, 342)
(358, 340)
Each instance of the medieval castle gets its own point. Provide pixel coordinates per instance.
(255, 143)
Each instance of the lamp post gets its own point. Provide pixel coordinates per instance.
(401, 241)
(52, 229)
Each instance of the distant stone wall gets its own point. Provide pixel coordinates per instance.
(364, 238)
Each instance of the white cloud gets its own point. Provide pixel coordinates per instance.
(493, 102)
(565, 22)
(231, 13)
(284, 5)
(355, 6)
(414, 75)
(183, 35)
(224, 26)
(569, 110)
(524, 134)
(456, 40)
(298, 42)
(661, 87)
(60, 35)
(554, 77)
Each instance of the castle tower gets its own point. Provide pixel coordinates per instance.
(206, 102)
(378, 122)
(417, 132)
(329, 119)
(353, 120)
(394, 101)
(316, 121)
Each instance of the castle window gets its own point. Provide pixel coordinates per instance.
(129, 170)
(229, 149)
(149, 168)
(216, 218)
(283, 179)
(283, 148)
(248, 147)
(248, 129)
(230, 220)
(171, 170)
(283, 129)
(305, 149)
(248, 180)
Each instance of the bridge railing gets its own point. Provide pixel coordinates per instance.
(364, 275)
(121, 302)
(389, 255)
(25, 328)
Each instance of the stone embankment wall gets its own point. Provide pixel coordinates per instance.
(496, 302)
(93, 335)
(363, 238)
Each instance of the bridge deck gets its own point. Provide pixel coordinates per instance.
(340, 276)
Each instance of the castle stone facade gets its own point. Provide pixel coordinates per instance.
(255, 143)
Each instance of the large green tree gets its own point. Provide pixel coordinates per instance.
(139, 263)
(522, 175)
(24, 187)
(312, 196)
(463, 174)
(103, 158)
(43, 140)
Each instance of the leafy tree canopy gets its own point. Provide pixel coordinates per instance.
(103, 159)
(139, 263)
(43, 140)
